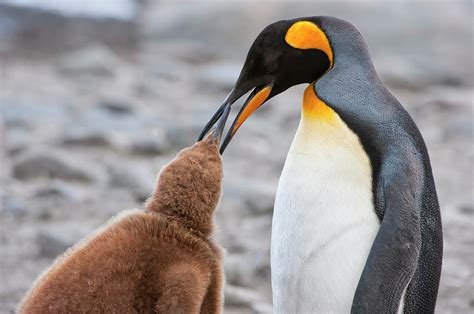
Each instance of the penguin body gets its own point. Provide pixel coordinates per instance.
(404, 264)
(356, 224)
(327, 184)
(161, 259)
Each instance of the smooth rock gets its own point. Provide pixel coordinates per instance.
(414, 75)
(261, 201)
(50, 246)
(116, 106)
(181, 135)
(262, 308)
(49, 166)
(57, 190)
(239, 296)
(459, 127)
(122, 178)
(246, 299)
(16, 141)
(138, 183)
(94, 60)
(221, 75)
(92, 139)
(51, 243)
(258, 196)
(12, 207)
(467, 209)
(148, 147)
(240, 269)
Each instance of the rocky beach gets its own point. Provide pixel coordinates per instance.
(93, 105)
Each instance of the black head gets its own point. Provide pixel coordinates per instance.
(284, 54)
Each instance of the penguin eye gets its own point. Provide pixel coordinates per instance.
(271, 65)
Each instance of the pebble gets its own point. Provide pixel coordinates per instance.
(240, 269)
(181, 135)
(258, 196)
(239, 296)
(91, 139)
(52, 243)
(459, 127)
(220, 75)
(48, 166)
(235, 296)
(148, 147)
(260, 201)
(12, 208)
(116, 106)
(139, 183)
(94, 60)
(57, 190)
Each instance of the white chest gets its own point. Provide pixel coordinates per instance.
(324, 221)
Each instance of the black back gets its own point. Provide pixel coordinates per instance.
(401, 172)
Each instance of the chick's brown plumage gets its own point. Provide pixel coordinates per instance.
(161, 259)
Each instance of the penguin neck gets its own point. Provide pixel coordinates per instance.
(318, 121)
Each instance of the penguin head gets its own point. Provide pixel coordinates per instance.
(284, 54)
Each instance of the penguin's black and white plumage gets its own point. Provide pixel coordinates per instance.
(356, 223)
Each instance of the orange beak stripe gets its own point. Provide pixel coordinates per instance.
(252, 105)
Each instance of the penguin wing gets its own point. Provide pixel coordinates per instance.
(393, 257)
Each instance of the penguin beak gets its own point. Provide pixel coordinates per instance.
(256, 98)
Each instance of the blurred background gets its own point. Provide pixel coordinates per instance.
(97, 95)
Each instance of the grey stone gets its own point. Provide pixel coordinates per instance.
(459, 127)
(117, 107)
(52, 243)
(238, 296)
(50, 246)
(467, 209)
(12, 208)
(94, 60)
(17, 141)
(57, 190)
(41, 165)
(22, 113)
(138, 183)
(92, 139)
(246, 299)
(240, 269)
(262, 308)
(148, 147)
(405, 73)
(258, 196)
(222, 75)
(181, 135)
(122, 178)
(260, 202)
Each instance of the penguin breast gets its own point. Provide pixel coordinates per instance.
(324, 222)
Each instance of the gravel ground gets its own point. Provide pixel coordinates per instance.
(93, 107)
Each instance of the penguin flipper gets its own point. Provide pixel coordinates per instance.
(393, 257)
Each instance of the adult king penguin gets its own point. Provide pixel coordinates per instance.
(356, 223)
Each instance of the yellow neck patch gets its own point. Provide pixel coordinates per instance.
(307, 35)
(316, 109)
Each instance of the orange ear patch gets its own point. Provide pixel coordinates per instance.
(307, 35)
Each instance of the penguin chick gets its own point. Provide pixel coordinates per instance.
(161, 259)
